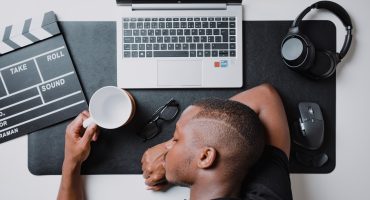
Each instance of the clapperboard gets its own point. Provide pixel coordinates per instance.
(39, 86)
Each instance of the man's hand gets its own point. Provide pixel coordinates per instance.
(77, 149)
(77, 139)
(153, 167)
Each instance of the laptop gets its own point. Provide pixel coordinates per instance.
(179, 44)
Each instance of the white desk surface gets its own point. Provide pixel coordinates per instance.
(351, 176)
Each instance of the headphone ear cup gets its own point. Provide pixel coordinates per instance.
(324, 65)
(297, 52)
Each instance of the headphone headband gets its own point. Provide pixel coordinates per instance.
(339, 11)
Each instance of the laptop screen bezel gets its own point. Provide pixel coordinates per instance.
(177, 1)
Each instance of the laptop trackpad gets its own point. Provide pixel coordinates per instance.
(179, 73)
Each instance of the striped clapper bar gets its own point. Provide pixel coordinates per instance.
(39, 86)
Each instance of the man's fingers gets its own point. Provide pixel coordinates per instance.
(96, 135)
(76, 125)
(89, 133)
(154, 180)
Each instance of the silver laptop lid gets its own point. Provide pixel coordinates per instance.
(130, 2)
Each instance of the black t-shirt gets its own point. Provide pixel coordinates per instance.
(268, 179)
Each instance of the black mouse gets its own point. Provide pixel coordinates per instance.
(311, 122)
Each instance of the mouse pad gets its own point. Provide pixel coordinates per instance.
(93, 48)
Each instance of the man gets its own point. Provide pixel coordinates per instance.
(216, 146)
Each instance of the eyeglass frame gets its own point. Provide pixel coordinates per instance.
(157, 116)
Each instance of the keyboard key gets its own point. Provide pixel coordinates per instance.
(181, 39)
(140, 25)
(169, 25)
(199, 46)
(193, 53)
(132, 25)
(225, 19)
(156, 47)
(126, 47)
(211, 19)
(224, 32)
(199, 53)
(176, 25)
(174, 39)
(159, 39)
(150, 32)
(161, 19)
(168, 19)
(134, 54)
(189, 39)
(197, 19)
(126, 19)
(171, 46)
(196, 39)
(153, 39)
(161, 25)
(147, 19)
(198, 25)
(212, 25)
(143, 32)
(193, 46)
(232, 31)
(142, 54)
(223, 53)
(182, 19)
(125, 25)
(147, 25)
(184, 25)
(173, 32)
(187, 32)
(204, 18)
(165, 32)
(154, 25)
(232, 38)
(205, 25)
(137, 39)
(232, 53)
(154, 19)
(203, 38)
(149, 46)
(126, 54)
(225, 39)
(171, 54)
(209, 32)
(149, 54)
(190, 24)
(145, 39)
(180, 32)
(176, 19)
(232, 24)
(158, 32)
(218, 18)
(163, 46)
(219, 46)
(134, 47)
(185, 46)
(222, 25)
(194, 31)
(211, 39)
(133, 19)
(232, 18)
(216, 31)
(136, 32)
(128, 39)
(189, 19)
(167, 39)
(207, 54)
(214, 53)
(178, 46)
(127, 32)
(202, 31)
(232, 45)
(207, 46)
(141, 46)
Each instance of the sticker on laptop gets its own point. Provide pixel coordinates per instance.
(221, 63)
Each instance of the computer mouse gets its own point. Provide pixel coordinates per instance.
(311, 122)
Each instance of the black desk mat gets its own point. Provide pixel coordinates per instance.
(93, 48)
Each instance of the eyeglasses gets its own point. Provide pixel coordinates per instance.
(168, 112)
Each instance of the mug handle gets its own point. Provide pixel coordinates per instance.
(86, 123)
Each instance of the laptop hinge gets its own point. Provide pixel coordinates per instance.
(182, 6)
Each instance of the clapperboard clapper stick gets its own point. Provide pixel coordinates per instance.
(39, 86)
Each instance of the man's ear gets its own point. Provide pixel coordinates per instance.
(207, 157)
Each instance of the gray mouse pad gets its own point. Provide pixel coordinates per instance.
(93, 48)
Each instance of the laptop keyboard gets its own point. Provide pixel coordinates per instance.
(179, 37)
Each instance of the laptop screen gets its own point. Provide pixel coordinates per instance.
(177, 1)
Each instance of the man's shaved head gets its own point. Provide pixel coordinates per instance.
(230, 127)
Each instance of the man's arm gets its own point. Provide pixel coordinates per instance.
(266, 102)
(77, 149)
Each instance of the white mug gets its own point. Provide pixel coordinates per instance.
(110, 107)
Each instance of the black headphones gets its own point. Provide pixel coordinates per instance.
(299, 53)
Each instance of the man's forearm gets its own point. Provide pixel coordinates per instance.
(266, 102)
(71, 187)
